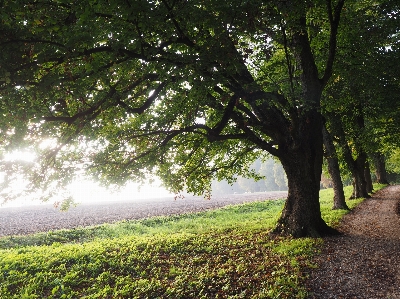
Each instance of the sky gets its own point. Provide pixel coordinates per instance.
(90, 192)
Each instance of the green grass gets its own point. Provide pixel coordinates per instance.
(225, 253)
(332, 217)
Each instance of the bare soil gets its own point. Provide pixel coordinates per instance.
(363, 262)
(41, 218)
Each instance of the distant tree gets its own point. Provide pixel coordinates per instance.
(248, 185)
(265, 177)
(280, 177)
(380, 168)
(354, 156)
(339, 201)
(267, 170)
(393, 165)
(224, 188)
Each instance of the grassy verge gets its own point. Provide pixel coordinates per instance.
(225, 253)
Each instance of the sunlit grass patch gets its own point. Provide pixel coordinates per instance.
(333, 217)
(230, 264)
(247, 216)
(224, 253)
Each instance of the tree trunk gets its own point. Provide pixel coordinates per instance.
(300, 147)
(339, 201)
(357, 166)
(380, 168)
(359, 183)
(368, 179)
(301, 215)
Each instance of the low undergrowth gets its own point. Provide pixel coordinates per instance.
(225, 253)
(333, 217)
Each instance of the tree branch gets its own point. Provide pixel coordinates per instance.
(92, 112)
(184, 38)
(42, 41)
(288, 63)
(150, 100)
(200, 129)
(334, 19)
(226, 116)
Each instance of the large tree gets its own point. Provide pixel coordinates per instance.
(187, 90)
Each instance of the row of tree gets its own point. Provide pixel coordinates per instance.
(198, 90)
(361, 105)
(384, 170)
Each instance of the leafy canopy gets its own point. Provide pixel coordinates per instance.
(184, 89)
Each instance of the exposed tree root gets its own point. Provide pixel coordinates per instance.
(297, 231)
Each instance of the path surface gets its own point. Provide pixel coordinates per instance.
(26, 220)
(364, 262)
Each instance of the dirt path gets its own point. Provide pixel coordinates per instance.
(364, 262)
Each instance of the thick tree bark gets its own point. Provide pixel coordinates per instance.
(380, 168)
(339, 201)
(300, 148)
(356, 166)
(301, 215)
(359, 183)
(367, 176)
